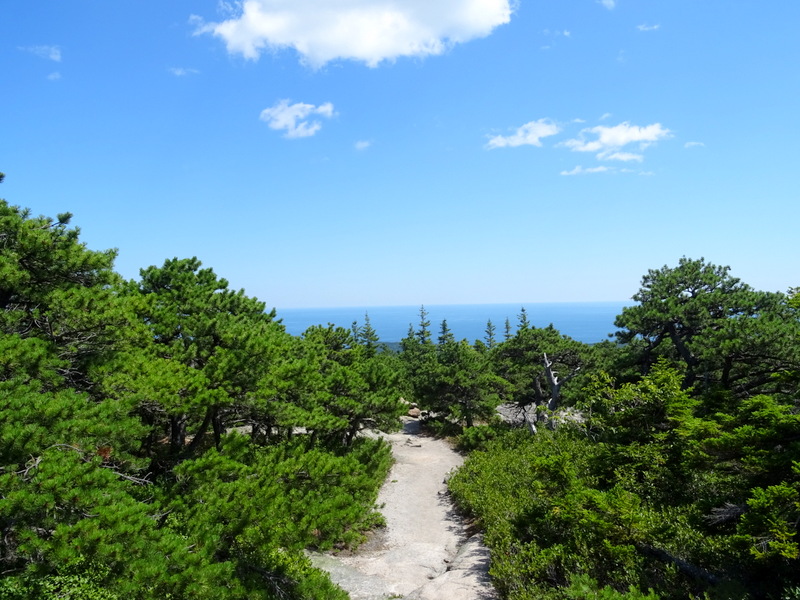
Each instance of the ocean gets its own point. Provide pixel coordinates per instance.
(588, 322)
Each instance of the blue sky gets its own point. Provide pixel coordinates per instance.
(378, 152)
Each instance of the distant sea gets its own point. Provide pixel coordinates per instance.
(588, 322)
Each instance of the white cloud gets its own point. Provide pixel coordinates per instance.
(529, 134)
(605, 116)
(579, 170)
(694, 145)
(363, 144)
(293, 118)
(645, 27)
(48, 52)
(181, 72)
(54, 76)
(608, 142)
(623, 144)
(623, 156)
(370, 31)
(609, 4)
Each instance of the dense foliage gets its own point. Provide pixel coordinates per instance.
(165, 438)
(680, 481)
(149, 441)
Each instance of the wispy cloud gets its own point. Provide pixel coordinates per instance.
(623, 156)
(370, 31)
(362, 144)
(54, 76)
(554, 35)
(293, 118)
(47, 52)
(623, 143)
(609, 4)
(557, 33)
(227, 9)
(182, 72)
(694, 145)
(608, 142)
(530, 134)
(645, 27)
(579, 170)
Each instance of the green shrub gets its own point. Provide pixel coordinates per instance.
(478, 437)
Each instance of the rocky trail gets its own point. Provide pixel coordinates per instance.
(423, 553)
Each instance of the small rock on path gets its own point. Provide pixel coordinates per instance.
(423, 552)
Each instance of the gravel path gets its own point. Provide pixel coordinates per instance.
(423, 553)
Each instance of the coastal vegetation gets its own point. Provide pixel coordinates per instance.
(149, 441)
(166, 438)
(679, 475)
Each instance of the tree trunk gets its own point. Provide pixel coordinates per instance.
(555, 384)
(682, 565)
(687, 356)
(530, 423)
(177, 432)
(552, 380)
(219, 429)
(198, 437)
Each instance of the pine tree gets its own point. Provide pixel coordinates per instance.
(94, 373)
(725, 334)
(342, 387)
(522, 320)
(461, 384)
(418, 358)
(490, 329)
(205, 337)
(445, 335)
(368, 337)
(58, 300)
(423, 333)
(410, 334)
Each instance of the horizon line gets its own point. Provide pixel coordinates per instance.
(417, 306)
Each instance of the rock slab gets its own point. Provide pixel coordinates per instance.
(423, 553)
